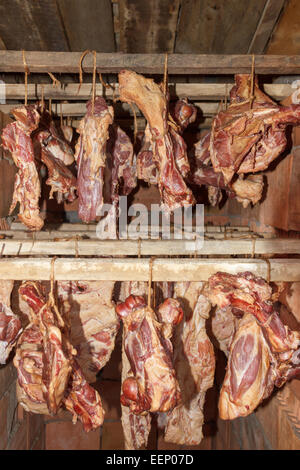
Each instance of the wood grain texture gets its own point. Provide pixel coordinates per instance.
(148, 26)
(193, 91)
(67, 62)
(135, 269)
(88, 24)
(286, 36)
(31, 25)
(266, 26)
(217, 27)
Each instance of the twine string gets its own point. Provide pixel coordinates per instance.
(27, 72)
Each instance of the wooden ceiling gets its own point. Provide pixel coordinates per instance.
(152, 26)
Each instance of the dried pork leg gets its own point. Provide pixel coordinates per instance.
(194, 364)
(10, 325)
(167, 143)
(249, 376)
(90, 155)
(16, 138)
(57, 359)
(136, 427)
(93, 322)
(152, 386)
(269, 345)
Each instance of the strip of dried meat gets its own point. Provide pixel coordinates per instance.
(54, 139)
(93, 322)
(194, 364)
(168, 146)
(136, 427)
(247, 138)
(16, 138)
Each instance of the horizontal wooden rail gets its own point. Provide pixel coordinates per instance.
(68, 62)
(64, 244)
(126, 269)
(193, 91)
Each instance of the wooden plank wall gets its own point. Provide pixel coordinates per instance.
(286, 36)
(148, 26)
(217, 27)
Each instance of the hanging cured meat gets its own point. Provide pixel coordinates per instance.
(16, 138)
(250, 133)
(136, 427)
(264, 352)
(49, 376)
(194, 364)
(10, 325)
(54, 139)
(122, 163)
(152, 385)
(168, 146)
(93, 322)
(90, 155)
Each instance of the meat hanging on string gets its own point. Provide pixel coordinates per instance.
(60, 178)
(49, 376)
(152, 385)
(168, 145)
(90, 155)
(16, 138)
(245, 189)
(93, 322)
(263, 353)
(194, 362)
(10, 324)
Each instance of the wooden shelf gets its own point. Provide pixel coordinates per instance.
(183, 64)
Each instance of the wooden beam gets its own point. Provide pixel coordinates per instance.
(193, 91)
(64, 244)
(265, 26)
(68, 62)
(134, 269)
